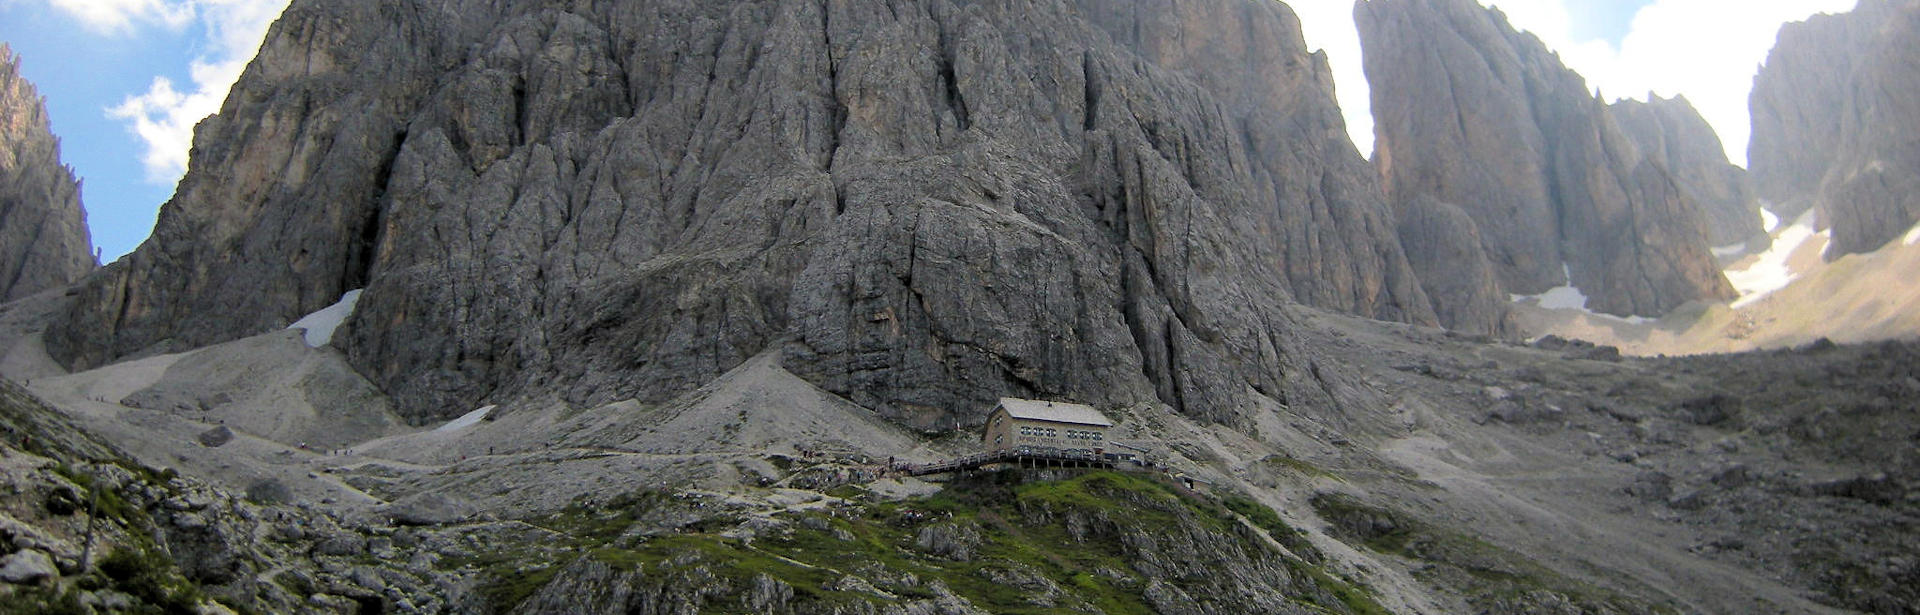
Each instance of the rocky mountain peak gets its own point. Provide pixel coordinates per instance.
(1674, 134)
(43, 230)
(1485, 118)
(1833, 115)
(921, 205)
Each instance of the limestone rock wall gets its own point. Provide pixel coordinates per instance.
(927, 204)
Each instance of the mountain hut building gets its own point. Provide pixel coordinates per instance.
(1065, 426)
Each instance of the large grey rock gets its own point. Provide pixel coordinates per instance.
(1673, 133)
(44, 241)
(1473, 113)
(216, 437)
(926, 204)
(27, 566)
(1835, 119)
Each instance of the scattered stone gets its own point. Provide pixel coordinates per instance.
(1652, 486)
(1733, 477)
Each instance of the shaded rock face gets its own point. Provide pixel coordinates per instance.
(1445, 248)
(1834, 119)
(1472, 113)
(926, 204)
(1797, 104)
(43, 231)
(1672, 133)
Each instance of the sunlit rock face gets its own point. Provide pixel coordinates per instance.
(43, 231)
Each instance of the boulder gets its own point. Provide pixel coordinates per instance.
(27, 566)
(216, 437)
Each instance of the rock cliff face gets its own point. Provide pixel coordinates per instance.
(1834, 119)
(43, 231)
(927, 203)
(1672, 133)
(1472, 113)
(1445, 248)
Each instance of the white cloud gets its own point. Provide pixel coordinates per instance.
(120, 16)
(1707, 50)
(1328, 25)
(163, 117)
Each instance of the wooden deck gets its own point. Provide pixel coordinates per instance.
(1025, 456)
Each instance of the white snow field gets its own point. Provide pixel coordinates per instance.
(320, 325)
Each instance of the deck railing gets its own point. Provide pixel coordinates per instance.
(1022, 454)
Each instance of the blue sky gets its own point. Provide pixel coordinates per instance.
(82, 74)
(90, 56)
(1607, 21)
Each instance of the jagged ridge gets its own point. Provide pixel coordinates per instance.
(43, 230)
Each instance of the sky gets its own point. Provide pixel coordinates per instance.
(126, 80)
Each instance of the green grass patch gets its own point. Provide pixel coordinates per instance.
(1297, 466)
(145, 572)
(1072, 539)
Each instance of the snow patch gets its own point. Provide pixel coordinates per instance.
(1563, 298)
(1913, 236)
(1570, 297)
(466, 420)
(1732, 250)
(1770, 272)
(320, 325)
(1769, 221)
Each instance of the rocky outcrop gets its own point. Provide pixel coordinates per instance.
(43, 231)
(1473, 113)
(1834, 121)
(929, 204)
(120, 537)
(1673, 134)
